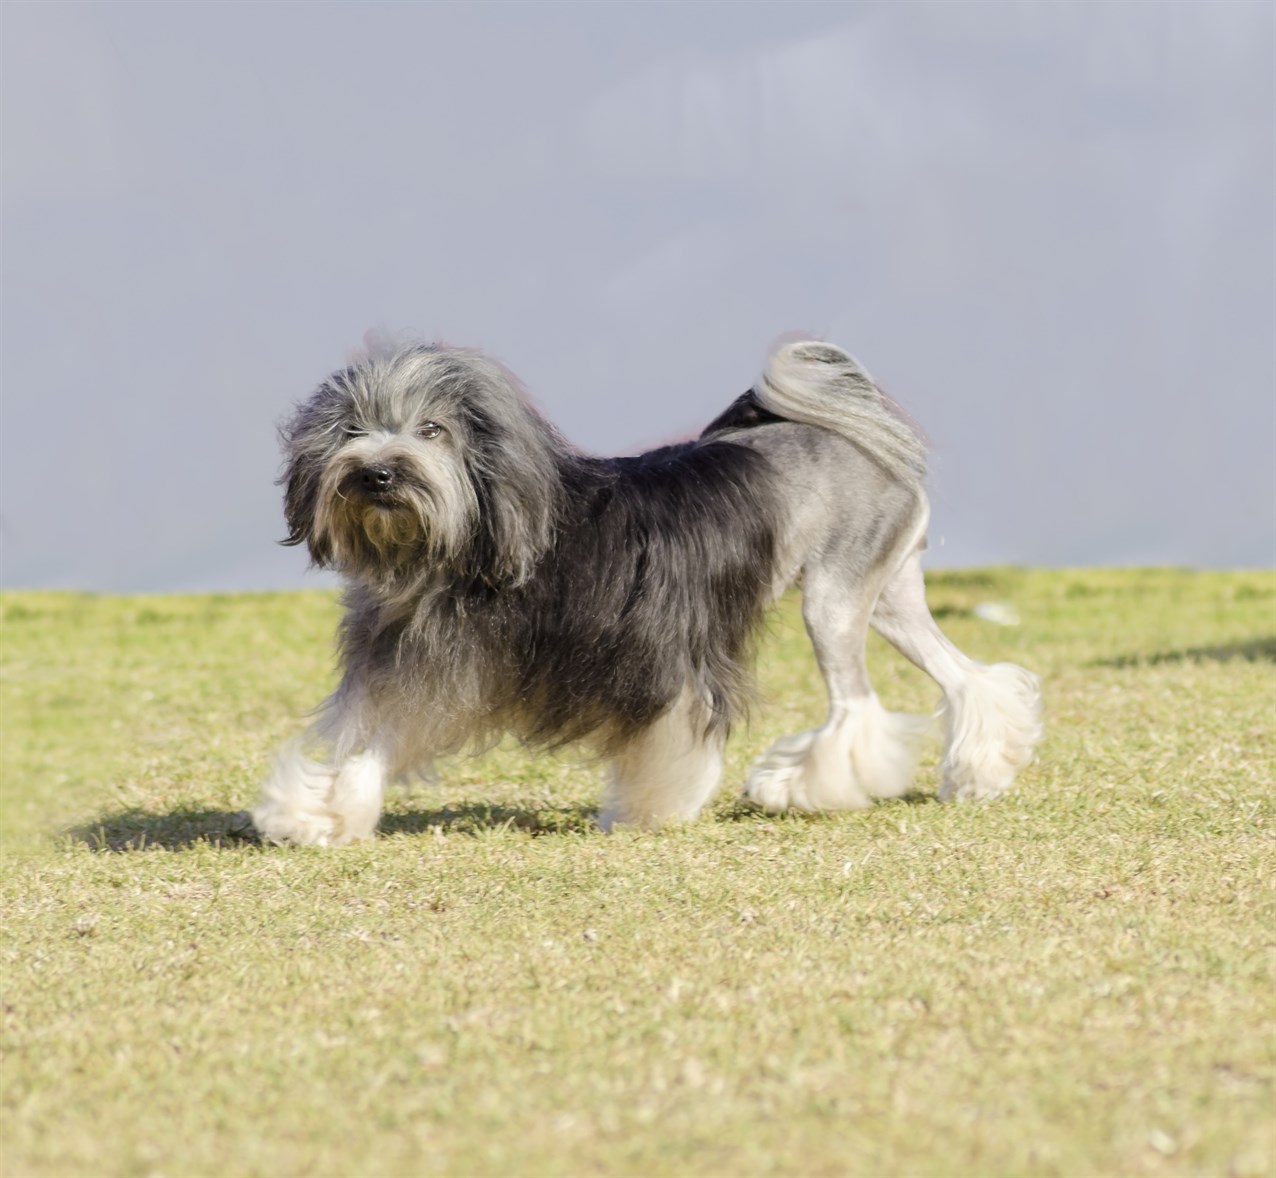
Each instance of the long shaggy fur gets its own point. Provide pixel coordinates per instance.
(499, 581)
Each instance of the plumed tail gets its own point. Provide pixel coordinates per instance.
(819, 384)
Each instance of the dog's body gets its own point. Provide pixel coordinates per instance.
(500, 582)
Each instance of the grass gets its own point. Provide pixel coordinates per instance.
(1077, 979)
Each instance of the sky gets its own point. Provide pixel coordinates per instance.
(1046, 229)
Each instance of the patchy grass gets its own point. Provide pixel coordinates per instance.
(1075, 979)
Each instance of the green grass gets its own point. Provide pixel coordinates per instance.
(1077, 979)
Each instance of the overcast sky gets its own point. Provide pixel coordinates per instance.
(1047, 230)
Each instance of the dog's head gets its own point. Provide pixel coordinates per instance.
(426, 461)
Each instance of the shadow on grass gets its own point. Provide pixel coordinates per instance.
(477, 817)
(741, 810)
(1255, 650)
(138, 830)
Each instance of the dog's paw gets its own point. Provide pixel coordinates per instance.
(771, 789)
(294, 809)
(308, 803)
(994, 730)
(776, 781)
(292, 827)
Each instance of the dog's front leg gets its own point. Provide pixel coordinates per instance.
(356, 798)
(312, 803)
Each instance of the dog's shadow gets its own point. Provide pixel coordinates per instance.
(476, 818)
(138, 830)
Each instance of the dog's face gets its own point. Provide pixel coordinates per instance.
(424, 461)
(378, 474)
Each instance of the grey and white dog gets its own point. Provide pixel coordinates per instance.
(498, 581)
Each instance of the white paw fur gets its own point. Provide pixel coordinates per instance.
(310, 804)
(994, 724)
(867, 754)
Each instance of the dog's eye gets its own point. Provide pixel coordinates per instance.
(430, 429)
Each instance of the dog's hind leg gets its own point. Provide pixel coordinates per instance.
(862, 751)
(992, 713)
(667, 772)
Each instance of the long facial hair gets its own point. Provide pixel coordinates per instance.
(422, 521)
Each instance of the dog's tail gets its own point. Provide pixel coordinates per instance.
(819, 384)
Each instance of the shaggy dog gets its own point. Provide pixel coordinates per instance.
(499, 581)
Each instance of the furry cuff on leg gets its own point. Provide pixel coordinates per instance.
(871, 753)
(294, 802)
(994, 724)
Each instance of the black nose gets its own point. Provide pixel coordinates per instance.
(376, 480)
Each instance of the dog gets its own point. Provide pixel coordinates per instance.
(500, 582)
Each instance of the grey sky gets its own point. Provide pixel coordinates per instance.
(1047, 230)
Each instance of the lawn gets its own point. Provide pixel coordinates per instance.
(1078, 979)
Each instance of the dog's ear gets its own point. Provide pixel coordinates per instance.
(300, 481)
(516, 482)
(301, 490)
(513, 531)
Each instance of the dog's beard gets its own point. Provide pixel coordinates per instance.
(426, 519)
(392, 529)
